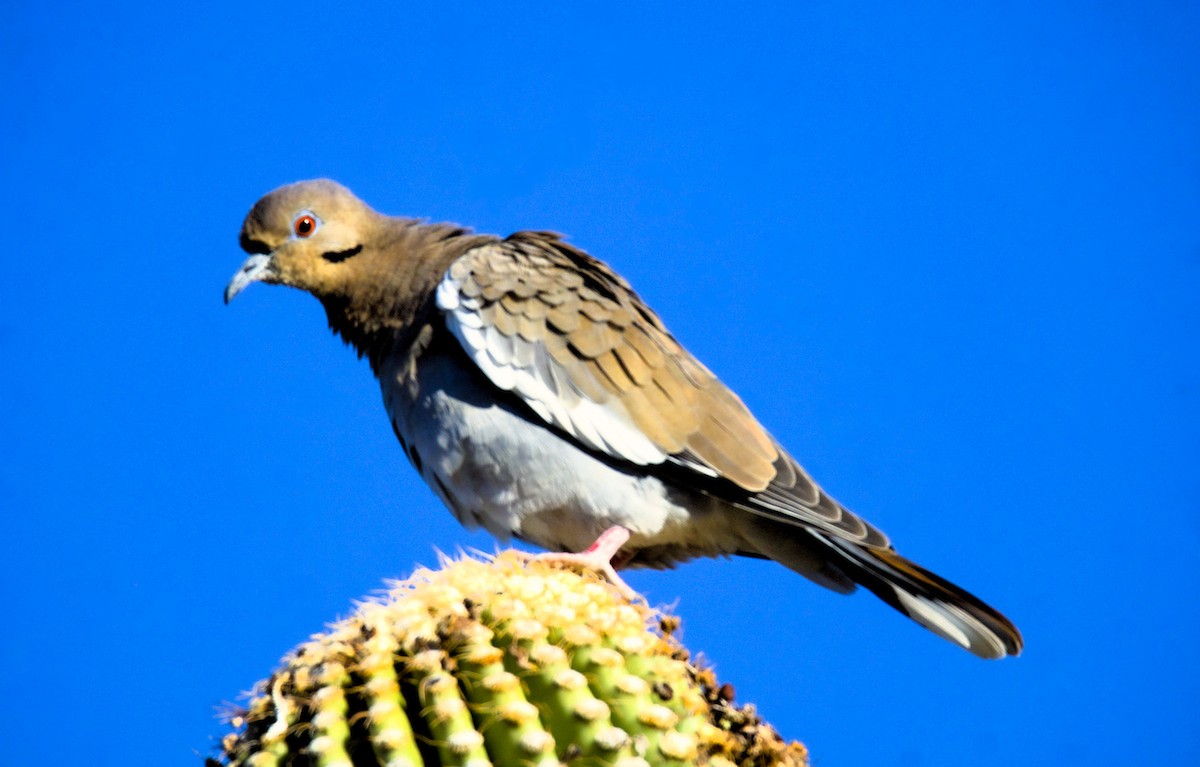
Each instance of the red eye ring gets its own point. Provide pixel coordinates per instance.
(304, 226)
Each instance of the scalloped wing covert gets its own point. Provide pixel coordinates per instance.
(571, 338)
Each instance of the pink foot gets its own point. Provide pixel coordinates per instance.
(599, 556)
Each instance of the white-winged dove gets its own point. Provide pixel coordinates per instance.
(539, 397)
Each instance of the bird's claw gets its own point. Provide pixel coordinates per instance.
(598, 558)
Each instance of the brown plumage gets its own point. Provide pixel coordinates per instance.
(540, 397)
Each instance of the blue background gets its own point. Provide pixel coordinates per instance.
(950, 255)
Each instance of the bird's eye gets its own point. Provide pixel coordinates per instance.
(304, 225)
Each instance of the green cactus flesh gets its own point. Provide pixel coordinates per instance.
(506, 662)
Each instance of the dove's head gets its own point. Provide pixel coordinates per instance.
(304, 235)
(374, 274)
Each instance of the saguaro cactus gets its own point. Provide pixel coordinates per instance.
(506, 662)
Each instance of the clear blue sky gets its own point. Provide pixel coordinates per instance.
(949, 254)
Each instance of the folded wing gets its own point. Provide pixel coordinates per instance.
(570, 337)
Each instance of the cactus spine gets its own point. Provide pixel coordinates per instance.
(508, 662)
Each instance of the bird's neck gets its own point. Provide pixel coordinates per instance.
(394, 281)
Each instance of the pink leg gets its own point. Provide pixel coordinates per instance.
(599, 556)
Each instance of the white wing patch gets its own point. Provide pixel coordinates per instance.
(526, 368)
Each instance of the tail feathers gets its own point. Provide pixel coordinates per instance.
(932, 601)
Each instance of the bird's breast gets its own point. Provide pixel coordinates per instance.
(495, 464)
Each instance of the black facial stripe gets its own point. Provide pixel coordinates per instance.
(334, 257)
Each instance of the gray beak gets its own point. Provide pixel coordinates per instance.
(255, 269)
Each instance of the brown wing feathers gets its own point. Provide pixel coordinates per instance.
(613, 348)
(604, 344)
